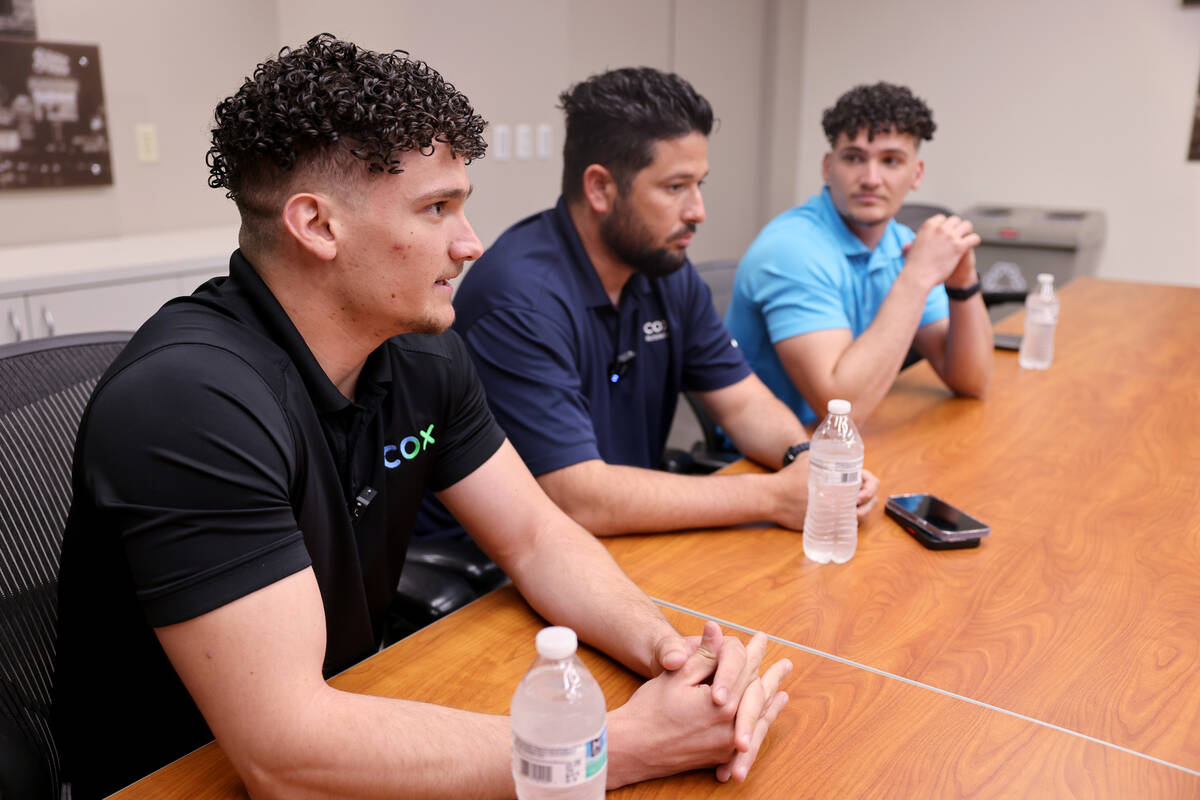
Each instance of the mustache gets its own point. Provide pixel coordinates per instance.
(689, 228)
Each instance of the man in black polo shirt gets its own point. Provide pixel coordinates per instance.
(248, 470)
(587, 320)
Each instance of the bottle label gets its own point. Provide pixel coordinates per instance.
(568, 765)
(835, 473)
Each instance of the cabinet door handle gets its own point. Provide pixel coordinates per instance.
(48, 318)
(14, 322)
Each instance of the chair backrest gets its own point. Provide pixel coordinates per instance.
(718, 275)
(713, 452)
(44, 386)
(914, 214)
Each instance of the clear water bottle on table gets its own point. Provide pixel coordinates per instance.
(835, 463)
(1041, 317)
(560, 742)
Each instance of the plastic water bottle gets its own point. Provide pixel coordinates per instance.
(1041, 315)
(835, 464)
(560, 743)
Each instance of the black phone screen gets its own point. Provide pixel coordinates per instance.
(936, 513)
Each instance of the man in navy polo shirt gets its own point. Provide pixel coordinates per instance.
(831, 294)
(586, 321)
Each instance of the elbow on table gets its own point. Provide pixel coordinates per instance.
(591, 514)
(266, 781)
(575, 494)
(277, 770)
(974, 386)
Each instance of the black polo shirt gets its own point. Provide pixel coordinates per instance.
(215, 458)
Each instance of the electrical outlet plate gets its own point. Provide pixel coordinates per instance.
(524, 142)
(545, 141)
(501, 142)
(146, 135)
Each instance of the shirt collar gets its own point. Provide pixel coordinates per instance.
(279, 328)
(889, 246)
(589, 279)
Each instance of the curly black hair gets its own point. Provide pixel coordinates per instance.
(878, 108)
(330, 97)
(614, 119)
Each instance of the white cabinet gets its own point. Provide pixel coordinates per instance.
(111, 307)
(106, 284)
(189, 281)
(14, 323)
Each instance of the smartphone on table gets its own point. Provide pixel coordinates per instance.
(935, 523)
(1007, 341)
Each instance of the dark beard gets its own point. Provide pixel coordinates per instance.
(628, 242)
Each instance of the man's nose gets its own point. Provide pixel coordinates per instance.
(870, 175)
(693, 209)
(466, 246)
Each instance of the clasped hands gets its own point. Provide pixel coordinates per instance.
(708, 706)
(943, 251)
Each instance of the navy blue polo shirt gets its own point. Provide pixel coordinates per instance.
(545, 339)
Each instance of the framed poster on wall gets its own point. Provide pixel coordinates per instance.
(16, 19)
(1194, 147)
(53, 130)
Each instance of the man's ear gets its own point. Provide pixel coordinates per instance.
(918, 174)
(308, 219)
(825, 164)
(599, 188)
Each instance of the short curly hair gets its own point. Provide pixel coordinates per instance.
(316, 105)
(878, 108)
(614, 119)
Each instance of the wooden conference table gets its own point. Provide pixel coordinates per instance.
(1061, 658)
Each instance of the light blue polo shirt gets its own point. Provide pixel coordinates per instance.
(807, 271)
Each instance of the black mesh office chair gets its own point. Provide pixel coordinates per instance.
(712, 451)
(44, 386)
(914, 214)
(440, 576)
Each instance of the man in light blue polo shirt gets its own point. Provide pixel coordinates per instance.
(831, 294)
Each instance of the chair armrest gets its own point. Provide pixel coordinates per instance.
(459, 556)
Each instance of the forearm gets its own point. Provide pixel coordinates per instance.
(867, 369)
(609, 499)
(253, 667)
(761, 426)
(560, 569)
(967, 367)
(340, 744)
(571, 579)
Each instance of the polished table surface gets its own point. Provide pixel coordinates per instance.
(847, 732)
(1082, 608)
(1059, 659)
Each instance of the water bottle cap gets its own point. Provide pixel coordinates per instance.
(1045, 277)
(556, 642)
(839, 407)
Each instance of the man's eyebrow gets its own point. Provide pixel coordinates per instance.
(684, 175)
(444, 193)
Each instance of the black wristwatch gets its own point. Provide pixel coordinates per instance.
(966, 293)
(794, 452)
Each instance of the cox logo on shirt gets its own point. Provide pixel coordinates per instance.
(654, 330)
(409, 448)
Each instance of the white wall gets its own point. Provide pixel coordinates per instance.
(512, 59)
(165, 63)
(1071, 103)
